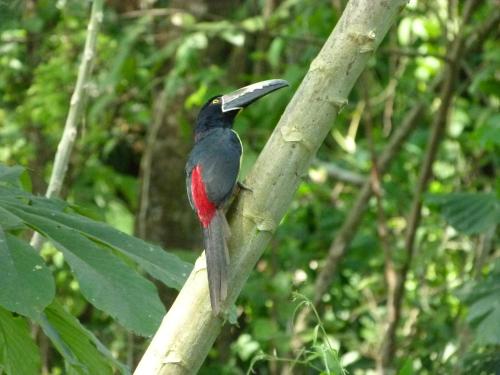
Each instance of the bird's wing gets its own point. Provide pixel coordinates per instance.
(220, 164)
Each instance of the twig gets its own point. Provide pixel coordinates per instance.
(155, 12)
(76, 105)
(413, 53)
(435, 137)
(190, 328)
(382, 228)
(339, 173)
(375, 176)
(147, 162)
(397, 72)
(233, 26)
(67, 141)
(490, 26)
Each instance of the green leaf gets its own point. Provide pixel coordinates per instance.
(471, 213)
(329, 359)
(483, 298)
(232, 316)
(487, 136)
(105, 280)
(484, 306)
(10, 175)
(407, 368)
(26, 284)
(158, 263)
(485, 360)
(9, 221)
(245, 346)
(82, 351)
(18, 352)
(488, 330)
(264, 329)
(275, 51)
(235, 38)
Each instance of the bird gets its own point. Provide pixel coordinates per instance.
(212, 172)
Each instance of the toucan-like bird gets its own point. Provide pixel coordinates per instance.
(212, 174)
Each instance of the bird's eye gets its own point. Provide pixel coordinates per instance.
(216, 101)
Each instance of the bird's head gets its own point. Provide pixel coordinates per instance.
(220, 110)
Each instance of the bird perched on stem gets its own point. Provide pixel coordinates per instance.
(212, 174)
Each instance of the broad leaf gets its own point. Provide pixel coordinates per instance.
(105, 280)
(81, 350)
(9, 221)
(18, 352)
(488, 330)
(407, 368)
(483, 298)
(10, 175)
(26, 284)
(470, 213)
(161, 265)
(485, 360)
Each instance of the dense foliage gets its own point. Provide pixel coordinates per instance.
(77, 305)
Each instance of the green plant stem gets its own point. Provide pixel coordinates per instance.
(65, 146)
(190, 328)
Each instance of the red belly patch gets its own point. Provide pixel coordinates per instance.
(204, 207)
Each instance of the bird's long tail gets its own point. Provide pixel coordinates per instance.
(215, 240)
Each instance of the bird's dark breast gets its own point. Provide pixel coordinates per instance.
(218, 156)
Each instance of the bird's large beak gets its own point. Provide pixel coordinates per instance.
(240, 98)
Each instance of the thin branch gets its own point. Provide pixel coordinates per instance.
(382, 228)
(147, 162)
(68, 138)
(487, 28)
(67, 141)
(396, 75)
(435, 137)
(414, 53)
(339, 173)
(190, 328)
(155, 12)
(233, 26)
